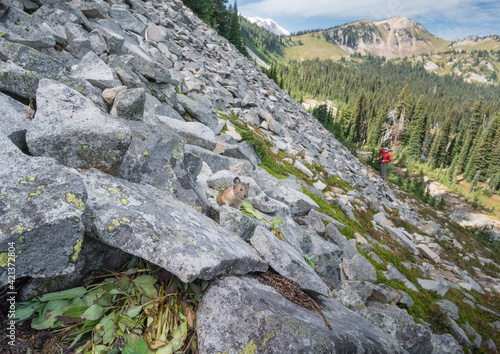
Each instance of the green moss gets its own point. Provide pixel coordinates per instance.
(4, 259)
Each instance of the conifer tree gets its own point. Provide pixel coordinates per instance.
(470, 137)
(480, 157)
(220, 17)
(437, 154)
(355, 132)
(417, 129)
(234, 35)
(404, 110)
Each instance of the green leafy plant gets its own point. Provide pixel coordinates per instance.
(311, 260)
(247, 209)
(137, 311)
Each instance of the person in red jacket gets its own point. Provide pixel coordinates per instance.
(384, 161)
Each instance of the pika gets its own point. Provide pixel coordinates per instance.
(234, 195)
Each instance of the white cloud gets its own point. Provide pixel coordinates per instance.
(458, 11)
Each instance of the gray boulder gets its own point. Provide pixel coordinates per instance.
(433, 285)
(243, 150)
(20, 27)
(445, 344)
(328, 256)
(243, 315)
(458, 333)
(17, 81)
(449, 308)
(143, 221)
(237, 222)
(94, 258)
(353, 295)
(193, 133)
(129, 104)
(340, 240)
(199, 111)
(95, 71)
(287, 261)
(42, 208)
(31, 60)
(156, 157)
(359, 268)
(127, 21)
(14, 121)
(299, 203)
(4, 5)
(400, 237)
(415, 338)
(71, 129)
(218, 162)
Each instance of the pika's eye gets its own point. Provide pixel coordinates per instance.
(241, 189)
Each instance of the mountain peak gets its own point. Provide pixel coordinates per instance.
(399, 22)
(269, 24)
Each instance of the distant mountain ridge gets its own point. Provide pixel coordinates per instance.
(396, 37)
(269, 24)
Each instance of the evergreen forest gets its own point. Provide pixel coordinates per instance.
(440, 120)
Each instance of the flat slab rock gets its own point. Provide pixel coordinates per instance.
(73, 130)
(146, 222)
(287, 261)
(241, 315)
(42, 208)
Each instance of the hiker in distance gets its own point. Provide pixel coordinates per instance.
(384, 161)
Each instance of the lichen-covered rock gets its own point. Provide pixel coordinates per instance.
(94, 256)
(14, 121)
(30, 59)
(42, 207)
(340, 240)
(146, 222)
(156, 157)
(20, 27)
(71, 129)
(242, 315)
(287, 261)
(15, 80)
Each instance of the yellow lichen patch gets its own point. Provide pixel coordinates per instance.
(77, 249)
(2, 196)
(18, 229)
(198, 209)
(31, 178)
(85, 147)
(115, 222)
(122, 200)
(181, 262)
(178, 152)
(145, 152)
(111, 228)
(36, 194)
(111, 190)
(250, 348)
(4, 259)
(77, 202)
(40, 187)
(21, 239)
(268, 336)
(126, 220)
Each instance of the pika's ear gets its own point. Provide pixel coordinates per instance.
(236, 180)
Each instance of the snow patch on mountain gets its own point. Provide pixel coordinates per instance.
(270, 25)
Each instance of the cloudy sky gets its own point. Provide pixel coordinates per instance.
(448, 19)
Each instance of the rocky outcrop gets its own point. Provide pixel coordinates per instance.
(280, 326)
